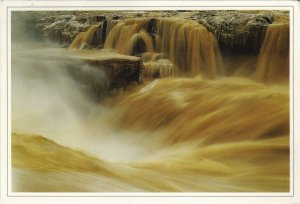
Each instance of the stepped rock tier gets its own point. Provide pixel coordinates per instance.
(120, 69)
(211, 43)
(234, 29)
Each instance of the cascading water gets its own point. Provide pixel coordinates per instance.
(96, 35)
(179, 133)
(273, 62)
(158, 69)
(84, 38)
(126, 34)
(190, 46)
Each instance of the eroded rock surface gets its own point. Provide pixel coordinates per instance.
(235, 30)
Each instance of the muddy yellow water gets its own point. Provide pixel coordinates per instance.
(187, 128)
(273, 62)
(195, 135)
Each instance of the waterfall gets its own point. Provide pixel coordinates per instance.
(95, 36)
(273, 62)
(127, 34)
(132, 106)
(158, 69)
(84, 38)
(110, 25)
(191, 47)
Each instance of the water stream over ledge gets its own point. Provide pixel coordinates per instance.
(148, 104)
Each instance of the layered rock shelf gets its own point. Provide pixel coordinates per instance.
(211, 43)
(235, 30)
(118, 69)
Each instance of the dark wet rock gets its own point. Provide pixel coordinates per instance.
(99, 18)
(138, 45)
(115, 17)
(151, 26)
(99, 36)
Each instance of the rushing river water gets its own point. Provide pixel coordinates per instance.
(191, 128)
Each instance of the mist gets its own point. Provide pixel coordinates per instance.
(50, 99)
(186, 121)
